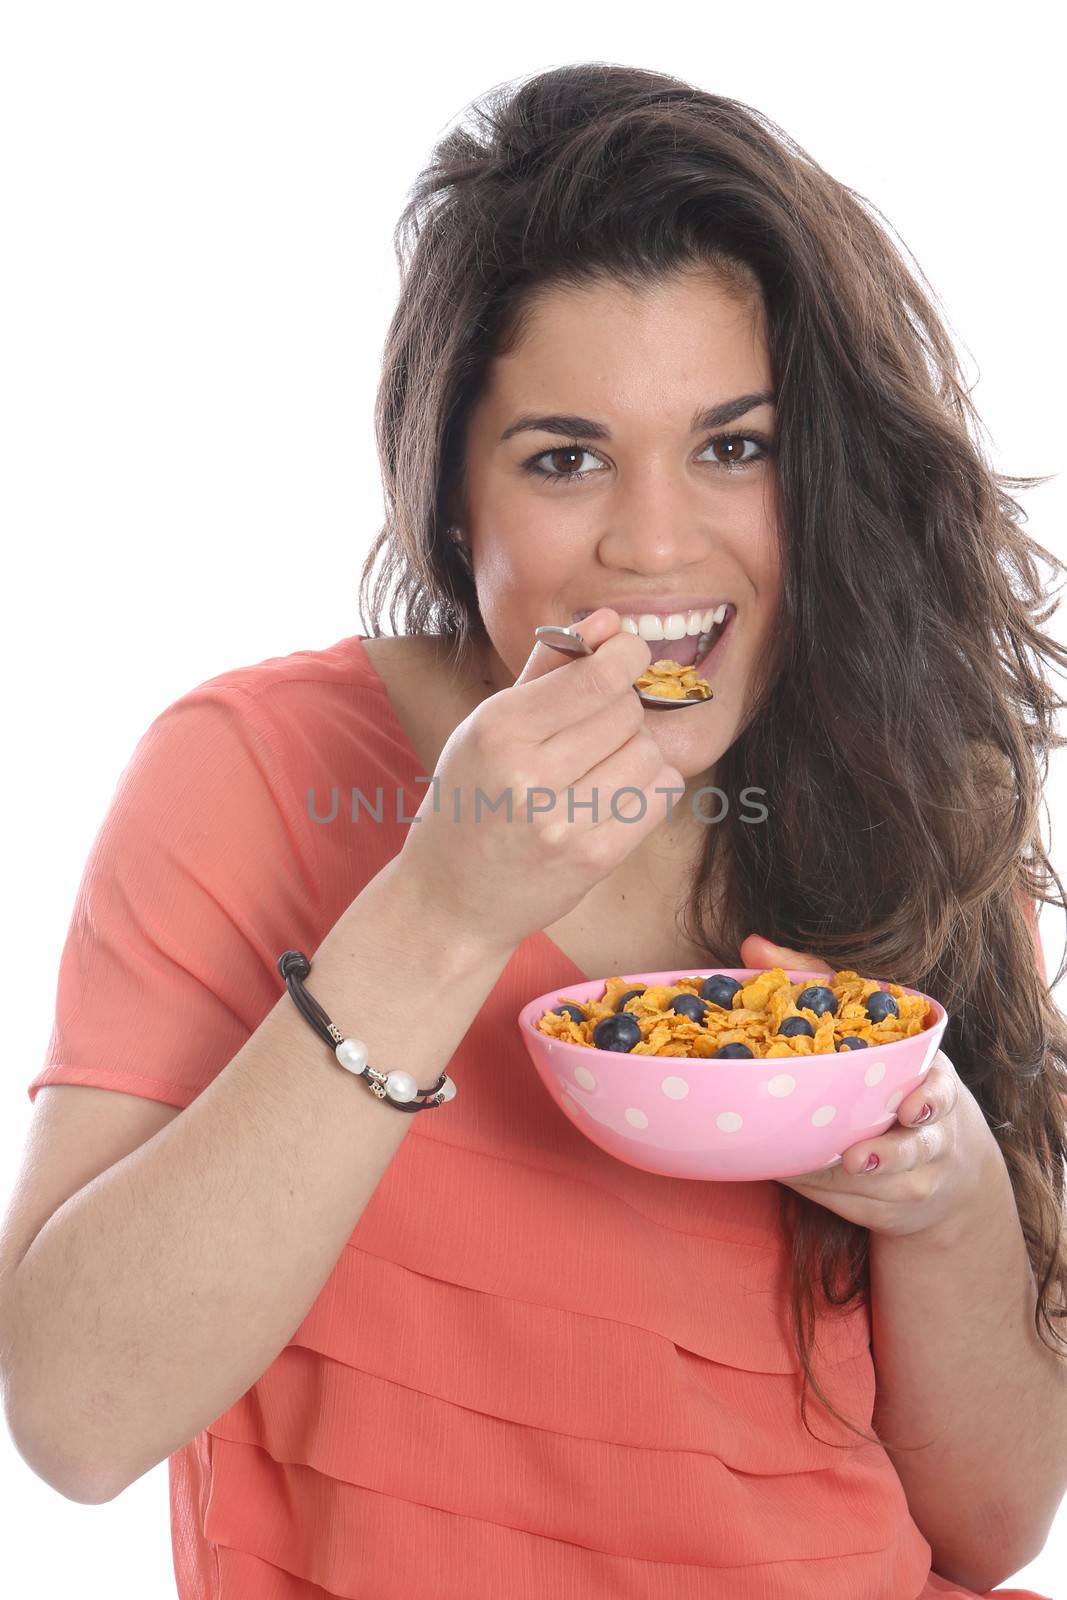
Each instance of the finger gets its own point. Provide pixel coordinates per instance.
(935, 1097)
(899, 1150)
(821, 1178)
(756, 951)
(594, 629)
(592, 682)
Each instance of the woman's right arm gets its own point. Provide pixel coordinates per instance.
(162, 1290)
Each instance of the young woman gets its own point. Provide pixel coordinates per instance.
(649, 360)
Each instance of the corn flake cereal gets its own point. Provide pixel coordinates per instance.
(669, 680)
(765, 1014)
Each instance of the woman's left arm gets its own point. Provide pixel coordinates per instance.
(955, 1349)
(957, 1357)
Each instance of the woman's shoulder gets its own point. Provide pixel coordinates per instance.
(288, 714)
(355, 691)
(318, 683)
(416, 652)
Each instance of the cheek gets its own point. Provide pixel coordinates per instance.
(768, 567)
(765, 577)
(520, 580)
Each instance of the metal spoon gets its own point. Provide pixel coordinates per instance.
(570, 642)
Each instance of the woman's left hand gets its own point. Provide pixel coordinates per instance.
(933, 1165)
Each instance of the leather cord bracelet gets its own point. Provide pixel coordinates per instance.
(399, 1088)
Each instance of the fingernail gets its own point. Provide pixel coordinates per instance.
(872, 1162)
(925, 1114)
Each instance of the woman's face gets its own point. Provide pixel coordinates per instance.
(661, 520)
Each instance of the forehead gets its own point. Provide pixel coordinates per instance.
(690, 335)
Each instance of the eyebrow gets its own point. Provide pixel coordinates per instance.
(712, 417)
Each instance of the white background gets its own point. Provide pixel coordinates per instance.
(197, 274)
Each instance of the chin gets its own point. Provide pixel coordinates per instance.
(695, 754)
(692, 757)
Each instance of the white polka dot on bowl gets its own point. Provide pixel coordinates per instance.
(675, 1088)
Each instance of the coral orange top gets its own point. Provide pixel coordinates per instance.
(534, 1370)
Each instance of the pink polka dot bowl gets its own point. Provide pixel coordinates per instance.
(725, 1118)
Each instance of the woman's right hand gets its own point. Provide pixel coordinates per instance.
(566, 724)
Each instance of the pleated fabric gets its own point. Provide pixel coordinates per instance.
(534, 1371)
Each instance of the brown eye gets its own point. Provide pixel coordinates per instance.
(574, 453)
(566, 455)
(730, 450)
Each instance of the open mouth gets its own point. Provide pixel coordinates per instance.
(692, 649)
(695, 649)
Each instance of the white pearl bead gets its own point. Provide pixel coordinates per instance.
(401, 1086)
(352, 1054)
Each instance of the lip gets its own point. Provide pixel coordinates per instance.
(661, 605)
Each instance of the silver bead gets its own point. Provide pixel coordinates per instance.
(401, 1086)
(447, 1090)
(352, 1054)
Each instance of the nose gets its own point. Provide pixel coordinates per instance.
(655, 544)
(656, 530)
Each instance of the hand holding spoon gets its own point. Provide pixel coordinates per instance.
(570, 642)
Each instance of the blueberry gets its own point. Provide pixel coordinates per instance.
(631, 994)
(852, 1043)
(818, 998)
(880, 1004)
(567, 1009)
(720, 990)
(687, 1005)
(732, 1050)
(794, 1025)
(620, 1031)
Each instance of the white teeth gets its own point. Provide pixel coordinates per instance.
(678, 624)
(711, 621)
(675, 625)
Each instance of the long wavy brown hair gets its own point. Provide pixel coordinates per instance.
(902, 726)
